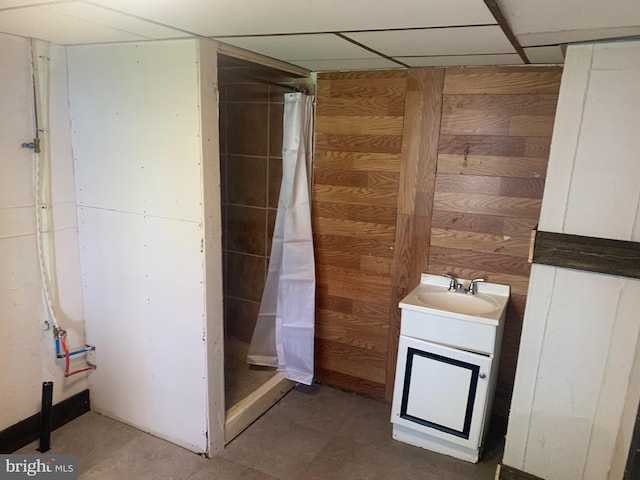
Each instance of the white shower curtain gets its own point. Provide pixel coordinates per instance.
(283, 336)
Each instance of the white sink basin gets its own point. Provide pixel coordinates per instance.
(432, 296)
(459, 302)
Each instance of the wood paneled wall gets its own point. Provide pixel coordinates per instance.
(495, 136)
(422, 170)
(359, 131)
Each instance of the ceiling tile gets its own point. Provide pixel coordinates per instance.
(346, 64)
(573, 36)
(463, 60)
(119, 21)
(22, 3)
(439, 41)
(568, 15)
(255, 17)
(301, 47)
(46, 24)
(551, 54)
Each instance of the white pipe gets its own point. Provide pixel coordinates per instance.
(42, 183)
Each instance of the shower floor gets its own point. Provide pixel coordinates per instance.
(240, 378)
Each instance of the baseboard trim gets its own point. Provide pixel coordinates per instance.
(26, 431)
(506, 472)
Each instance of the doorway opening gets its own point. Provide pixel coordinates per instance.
(251, 106)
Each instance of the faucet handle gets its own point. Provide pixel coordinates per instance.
(453, 284)
(473, 287)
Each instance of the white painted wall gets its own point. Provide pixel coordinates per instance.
(578, 356)
(138, 143)
(28, 356)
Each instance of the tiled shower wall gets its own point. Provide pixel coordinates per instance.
(251, 166)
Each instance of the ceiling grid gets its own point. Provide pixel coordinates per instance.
(338, 35)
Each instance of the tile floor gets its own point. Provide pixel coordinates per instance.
(313, 433)
(240, 378)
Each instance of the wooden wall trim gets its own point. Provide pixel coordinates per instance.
(601, 255)
(422, 114)
(510, 473)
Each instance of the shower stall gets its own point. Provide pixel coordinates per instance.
(251, 105)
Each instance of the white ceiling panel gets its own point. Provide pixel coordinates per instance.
(301, 47)
(255, 17)
(23, 3)
(566, 15)
(347, 64)
(109, 18)
(463, 60)
(44, 23)
(572, 36)
(439, 41)
(551, 54)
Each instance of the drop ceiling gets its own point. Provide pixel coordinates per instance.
(339, 34)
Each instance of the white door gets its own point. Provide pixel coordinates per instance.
(440, 391)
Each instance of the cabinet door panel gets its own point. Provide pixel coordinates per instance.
(440, 391)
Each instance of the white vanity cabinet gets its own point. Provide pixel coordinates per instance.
(447, 366)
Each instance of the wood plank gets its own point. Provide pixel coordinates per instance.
(483, 81)
(359, 196)
(519, 227)
(333, 226)
(496, 123)
(362, 246)
(384, 180)
(339, 259)
(482, 184)
(372, 213)
(358, 213)
(350, 360)
(487, 205)
(531, 125)
(333, 303)
(343, 177)
(359, 125)
(509, 105)
(349, 382)
(355, 337)
(602, 255)
(377, 265)
(423, 107)
(354, 284)
(355, 89)
(521, 187)
(483, 261)
(495, 145)
(329, 210)
(523, 167)
(375, 322)
(382, 162)
(358, 143)
(537, 147)
(480, 242)
(468, 222)
(365, 106)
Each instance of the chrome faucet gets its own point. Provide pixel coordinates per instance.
(455, 286)
(473, 285)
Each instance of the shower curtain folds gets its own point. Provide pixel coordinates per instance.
(284, 332)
